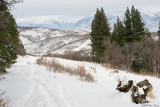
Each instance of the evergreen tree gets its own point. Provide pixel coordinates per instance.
(118, 33)
(9, 40)
(134, 26)
(138, 30)
(158, 32)
(147, 32)
(105, 29)
(100, 31)
(128, 26)
(137, 63)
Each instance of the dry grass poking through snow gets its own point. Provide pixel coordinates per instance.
(80, 71)
(151, 95)
(109, 66)
(4, 102)
(145, 74)
(118, 79)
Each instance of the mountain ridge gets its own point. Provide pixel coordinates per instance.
(42, 41)
(71, 23)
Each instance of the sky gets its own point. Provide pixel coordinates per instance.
(79, 8)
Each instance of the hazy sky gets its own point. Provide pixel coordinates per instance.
(79, 7)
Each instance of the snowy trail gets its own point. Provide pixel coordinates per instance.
(41, 91)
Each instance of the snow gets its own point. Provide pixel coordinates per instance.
(31, 85)
(141, 92)
(84, 45)
(38, 34)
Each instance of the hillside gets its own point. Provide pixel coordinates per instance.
(43, 41)
(30, 85)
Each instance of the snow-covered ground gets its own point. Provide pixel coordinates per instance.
(31, 85)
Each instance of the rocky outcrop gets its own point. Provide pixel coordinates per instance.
(139, 91)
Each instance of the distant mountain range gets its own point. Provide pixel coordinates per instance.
(68, 23)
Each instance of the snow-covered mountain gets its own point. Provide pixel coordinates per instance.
(69, 23)
(43, 41)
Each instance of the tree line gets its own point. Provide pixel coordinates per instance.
(127, 37)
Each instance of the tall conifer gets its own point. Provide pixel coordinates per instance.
(118, 32)
(138, 30)
(128, 26)
(158, 32)
(134, 25)
(9, 40)
(100, 32)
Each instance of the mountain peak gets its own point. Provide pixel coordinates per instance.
(77, 23)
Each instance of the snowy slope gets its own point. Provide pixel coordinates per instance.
(43, 41)
(71, 23)
(30, 85)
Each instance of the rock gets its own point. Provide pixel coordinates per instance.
(143, 83)
(124, 88)
(116, 71)
(134, 90)
(139, 91)
(147, 87)
(137, 97)
(119, 84)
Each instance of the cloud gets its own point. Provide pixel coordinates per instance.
(78, 7)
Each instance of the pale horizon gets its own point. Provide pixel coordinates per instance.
(75, 8)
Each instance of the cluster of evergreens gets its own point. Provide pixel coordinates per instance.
(130, 30)
(129, 44)
(9, 36)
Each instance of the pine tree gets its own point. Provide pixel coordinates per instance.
(134, 25)
(147, 33)
(9, 40)
(158, 32)
(128, 26)
(118, 33)
(105, 29)
(138, 30)
(100, 32)
(137, 64)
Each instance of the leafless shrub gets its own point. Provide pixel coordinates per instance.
(80, 71)
(40, 61)
(146, 74)
(118, 79)
(77, 56)
(151, 95)
(21, 51)
(121, 57)
(81, 68)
